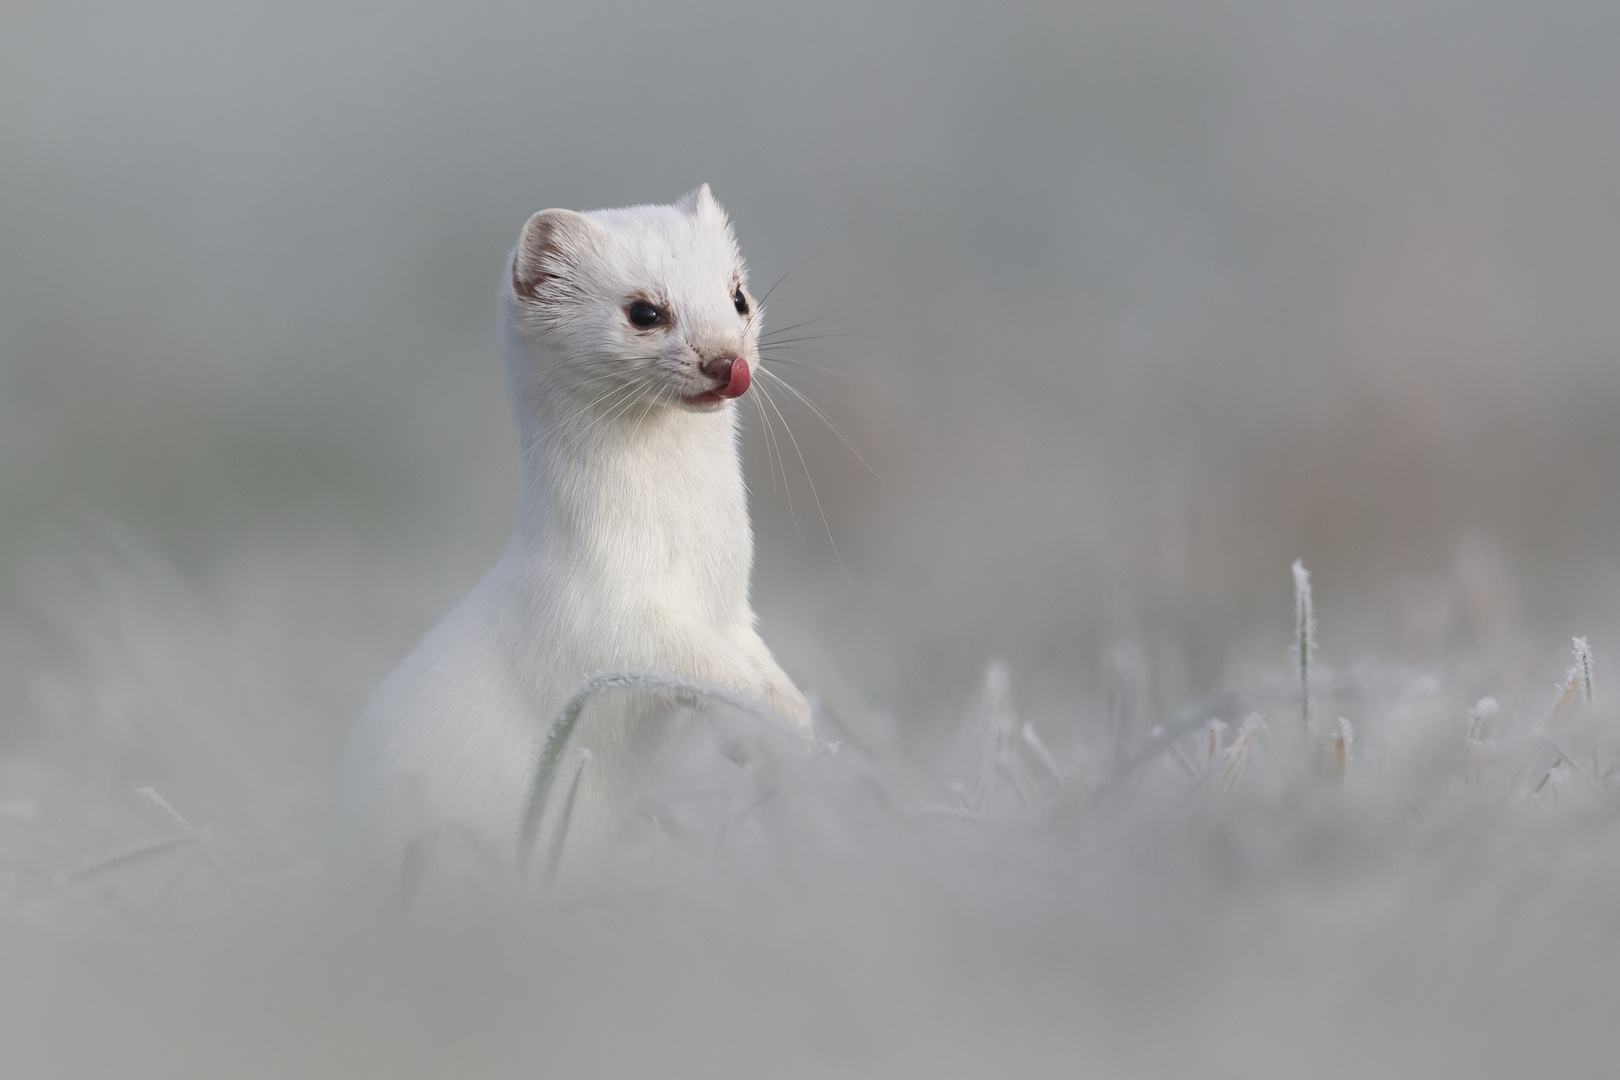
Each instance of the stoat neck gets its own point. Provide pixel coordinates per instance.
(650, 498)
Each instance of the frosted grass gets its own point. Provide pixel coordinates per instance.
(687, 693)
(1304, 639)
(1161, 299)
(1210, 900)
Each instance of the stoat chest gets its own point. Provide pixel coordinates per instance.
(656, 520)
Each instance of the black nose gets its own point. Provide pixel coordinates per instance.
(718, 368)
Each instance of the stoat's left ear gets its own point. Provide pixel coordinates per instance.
(552, 244)
(699, 202)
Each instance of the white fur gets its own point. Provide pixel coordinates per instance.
(631, 547)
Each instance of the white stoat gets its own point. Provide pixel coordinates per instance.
(626, 335)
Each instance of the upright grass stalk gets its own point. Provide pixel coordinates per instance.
(1583, 667)
(554, 859)
(1217, 731)
(1304, 638)
(683, 691)
(1476, 737)
(1577, 683)
(1483, 710)
(1001, 730)
(1343, 748)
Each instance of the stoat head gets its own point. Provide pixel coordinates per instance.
(620, 311)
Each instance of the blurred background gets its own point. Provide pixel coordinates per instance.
(1127, 305)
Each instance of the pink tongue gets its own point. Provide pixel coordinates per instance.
(738, 386)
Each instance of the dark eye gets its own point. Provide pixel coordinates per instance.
(643, 314)
(741, 301)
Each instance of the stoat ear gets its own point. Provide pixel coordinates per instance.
(552, 241)
(699, 202)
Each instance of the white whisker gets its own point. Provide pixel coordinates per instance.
(769, 463)
(811, 322)
(793, 362)
(770, 443)
(808, 479)
(612, 399)
(629, 404)
(813, 408)
(612, 391)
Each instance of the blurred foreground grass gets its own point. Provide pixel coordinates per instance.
(1100, 886)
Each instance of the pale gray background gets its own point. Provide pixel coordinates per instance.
(1161, 296)
(1143, 300)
